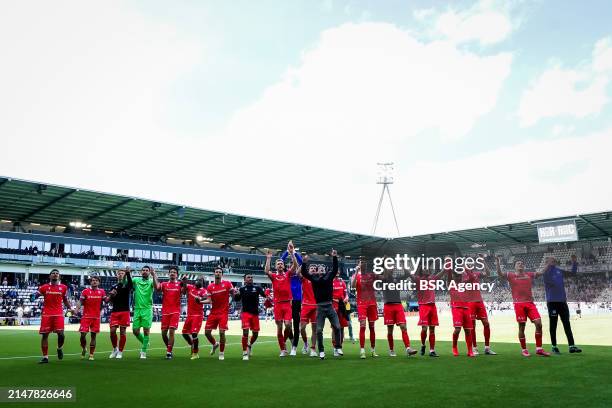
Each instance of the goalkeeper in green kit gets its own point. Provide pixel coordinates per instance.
(143, 306)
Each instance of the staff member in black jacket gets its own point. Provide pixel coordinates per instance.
(120, 316)
(322, 286)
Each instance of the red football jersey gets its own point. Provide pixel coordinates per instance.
(473, 295)
(219, 295)
(365, 289)
(281, 287)
(521, 286)
(307, 293)
(91, 299)
(339, 289)
(171, 297)
(425, 296)
(53, 298)
(193, 307)
(457, 298)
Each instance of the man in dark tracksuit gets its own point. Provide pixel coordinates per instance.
(556, 302)
(323, 287)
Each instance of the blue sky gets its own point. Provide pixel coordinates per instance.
(493, 111)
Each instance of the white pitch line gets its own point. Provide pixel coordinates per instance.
(110, 351)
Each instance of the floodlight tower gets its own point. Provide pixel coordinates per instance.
(385, 177)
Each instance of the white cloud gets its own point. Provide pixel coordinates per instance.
(529, 181)
(486, 22)
(577, 92)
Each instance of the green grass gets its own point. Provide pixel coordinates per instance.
(493, 381)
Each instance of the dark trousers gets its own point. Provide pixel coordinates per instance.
(558, 310)
(326, 311)
(296, 309)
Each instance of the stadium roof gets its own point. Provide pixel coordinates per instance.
(30, 202)
(27, 202)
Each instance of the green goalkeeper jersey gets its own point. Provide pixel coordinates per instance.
(143, 293)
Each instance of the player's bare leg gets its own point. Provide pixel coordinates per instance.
(44, 346)
(221, 344)
(538, 338)
(211, 339)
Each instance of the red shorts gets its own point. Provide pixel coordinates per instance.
(170, 321)
(308, 314)
(216, 320)
(250, 321)
(121, 319)
(524, 310)
(393, 313)
(428, 314)
(462, 317)
(478, 310)
(341, 316)
(90, 325)
(282, 311)
(50, 324)
(369, 312)
(193, 324)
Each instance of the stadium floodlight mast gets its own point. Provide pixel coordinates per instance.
(385, 177)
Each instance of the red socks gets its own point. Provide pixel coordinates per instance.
(474, 333)
(113, 337)
(122, 340)
(372, 337)
(405, 338)
(281, 341)
(390, 340)
(245, 341)
(455, 338)
(424, 336)
(432, 341)
(487, 335)
(468, 340)
(523, 343)
(362, 337)
(538, 337)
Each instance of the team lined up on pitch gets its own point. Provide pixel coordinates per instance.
(302, 294)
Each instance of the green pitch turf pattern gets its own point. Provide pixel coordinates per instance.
(505, 380)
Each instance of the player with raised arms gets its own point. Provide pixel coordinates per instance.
(119, 296)
(197, 296)
(171, 309)
(143, 306)
(367, 309)
(91, 300)
(323, 287)
(249, 295)
(52, 318)
(219, 292)
(524, 308)
(281, 288)
(478, 310)
(428, 312)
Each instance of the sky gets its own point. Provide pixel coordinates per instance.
(491, 111)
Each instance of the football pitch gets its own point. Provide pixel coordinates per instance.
(503, 380)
